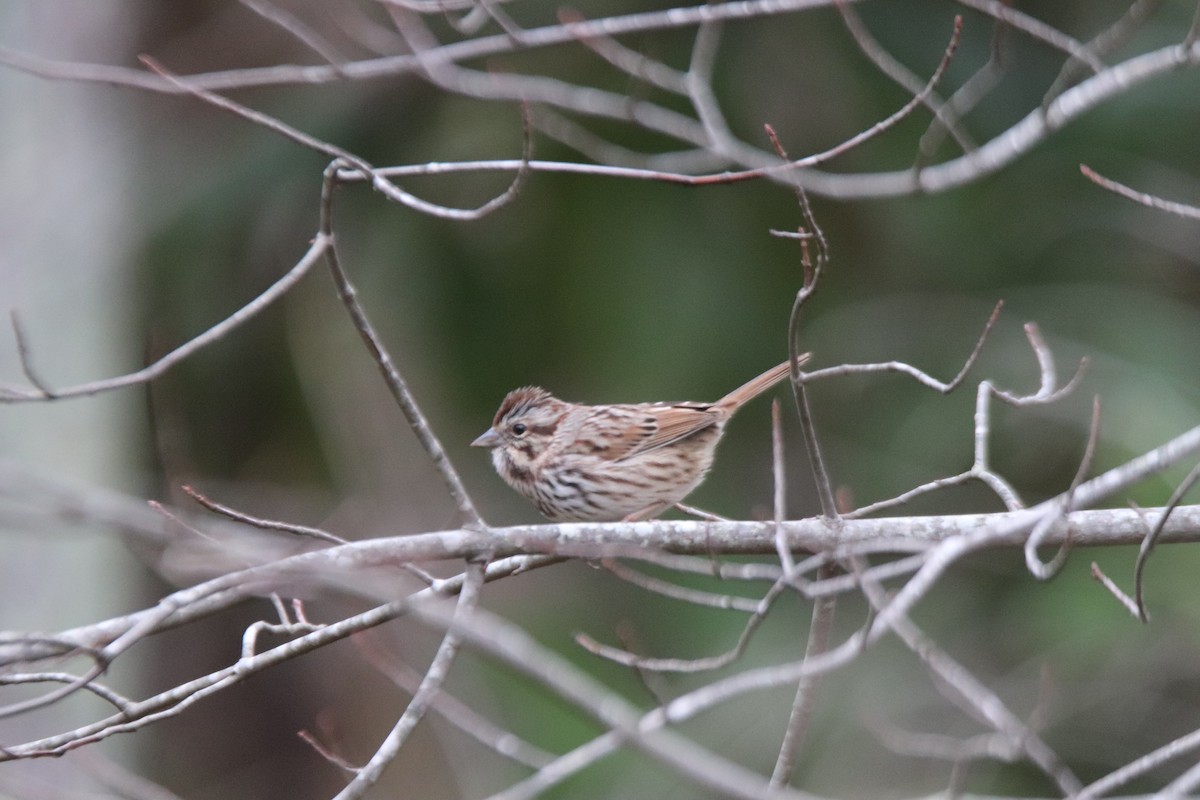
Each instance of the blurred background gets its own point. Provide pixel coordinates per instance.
(131, 221)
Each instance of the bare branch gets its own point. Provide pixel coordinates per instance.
(335, 566)
(1048, 391)
(347, 159)
(704, 664)
(562, 767)
(1038, 30)
(1114, 590)
(965, 98)
(174, 701)
(780, 506)
(422, 699)
(13, 394)
(986, 704)
(676, 592)
(1147, 546)
(1020, 523)
(1108, 41)
(1184, 745)
(257, 522)
(699, 89)
(917, 374)
(457, 712)
(499, 638)
(387, 367)
(294, 26)
(819, 631)
(467, 50)
(629, 61)
(25, 356)
(1003, 149)
(900, 74)
(810, 277)
(333, 758)
(103, 692)
(127, 784)
(1184, 785)
(1181, 209)
(1041, 570)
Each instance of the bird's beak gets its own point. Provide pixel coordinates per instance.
(489, 439)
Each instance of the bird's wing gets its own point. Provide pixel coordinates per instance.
(678, 421)
(618, 432)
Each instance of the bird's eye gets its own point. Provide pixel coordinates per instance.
(518, 429)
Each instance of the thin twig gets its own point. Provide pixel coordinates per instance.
(602, 154)
(980, 468)
(25, 356)
(1151, 539)
(1038, 30)
(1184, 786)
(948, 552)
(990, 157)
(1039, 569)
(310, 739)
(1171, 207)
(387, 368)
(174, 701)
(118, 701)
(780, 495)
(840, 584)
(126, 784)
(1104, 43)
(964, 99)
(973, 694)
(563, 767)
(285, 627)
(863, 136)
(423, 697)
(703, 664)
(455, 711)
(296, 28)
(10, 394)
(819, 631)
(677, 592)
(629, 61)
(1185, 745)
(699, 513)
(811, 269)
(919, 375)
(378, 182)
(1193, 34)
(890, 66)
(258, 522)
(649, 733)
(699, 82)
(1108, 583)
(994, 746)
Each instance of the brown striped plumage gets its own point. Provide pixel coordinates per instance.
(611, 462)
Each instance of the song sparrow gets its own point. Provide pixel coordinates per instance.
(611, 462)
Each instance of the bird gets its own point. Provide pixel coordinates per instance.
(607, 463)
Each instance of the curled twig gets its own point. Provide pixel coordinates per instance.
(1151, 539)
(1044, 571)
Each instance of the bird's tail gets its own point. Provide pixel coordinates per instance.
(753, 388)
